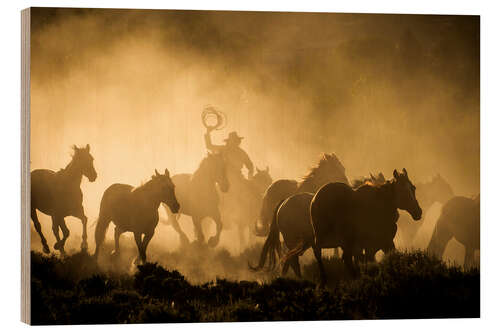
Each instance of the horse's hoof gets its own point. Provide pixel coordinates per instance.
(57, 245)
(184, 240)
(46, 249)
(84, 248)
(213, 241)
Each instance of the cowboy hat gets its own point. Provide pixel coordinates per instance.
(233, 136)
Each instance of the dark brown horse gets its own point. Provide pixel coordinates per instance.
(290, 215)
(58, 194)
(134, 210)
(292, 220)
(197, 194)
(460, 219)
(361, 219)
(329, 169)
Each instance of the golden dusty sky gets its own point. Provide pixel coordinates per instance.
(381, 91)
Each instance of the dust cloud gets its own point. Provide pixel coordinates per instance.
(381, 91)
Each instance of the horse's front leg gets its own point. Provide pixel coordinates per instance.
(214, 240)
(145, 242)
(173, 218)
(118, 233)
(198, 231)
(81, 215)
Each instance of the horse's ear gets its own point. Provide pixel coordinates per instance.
(405, 173)
(395, 174)
(258, 170)
(157, 173)
(167, 173)
(87, 148)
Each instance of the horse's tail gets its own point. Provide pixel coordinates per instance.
(272, 246)
(100, 231)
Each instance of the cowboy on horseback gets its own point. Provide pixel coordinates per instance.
(235, 203)
(234, 155)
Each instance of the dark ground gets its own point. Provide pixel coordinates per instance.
(74, 290)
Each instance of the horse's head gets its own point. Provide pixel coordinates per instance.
(405, 194)
(85, 162)
(437, 189)
(262, 179)
(218, 170)
(166, 189)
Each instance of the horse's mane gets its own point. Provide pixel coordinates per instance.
(372, 180)
(326, 161)
(143, 185)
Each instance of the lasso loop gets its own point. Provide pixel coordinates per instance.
(210, 111)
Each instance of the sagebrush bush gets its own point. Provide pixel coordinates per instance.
(404, 285)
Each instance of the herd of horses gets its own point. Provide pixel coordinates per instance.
(323, 210)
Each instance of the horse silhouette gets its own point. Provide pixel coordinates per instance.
(329, 169)
(58, 194)
(197, 195)
(292, 220)
(361, 219)
(293, 211)
(134, 210)
(246, 206)
(460, 219)
(436, 190)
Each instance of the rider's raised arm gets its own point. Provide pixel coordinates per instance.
(210, 146)
(248, 163)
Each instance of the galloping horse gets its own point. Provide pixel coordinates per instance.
(460, 219)
(292, 220)
(58, 194)
(329, 169)
(198, 197)
(359, 219)
(293, 210)
(135, 210)
(436, 190)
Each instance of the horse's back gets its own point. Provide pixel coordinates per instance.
(332, 210)
(42, 179)
(293, 219)
(116, 194)
(43, 190)
(281, 189)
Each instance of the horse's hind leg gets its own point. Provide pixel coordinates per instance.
(322, 273)
(55, 231)
(294, 262)
(38, 228)
(65, 232)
